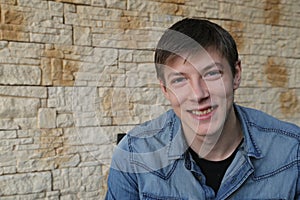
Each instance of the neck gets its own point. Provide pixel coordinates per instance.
(220, 145)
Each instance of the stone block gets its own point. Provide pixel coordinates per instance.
(19, 75)
(83, 100)
(25, 49)
(13, 17)
(17, 123)
(64, 120)
(7, 134)
(99, 3)
(9, 170)
(82, 36)
(4, 52)
(125, 55)
(26, 123)
(64, 36)
(47, 118)
(18, 107)
(89, 176)
(53, 195)
(8, 159)
(9, 2)
(67, 161)
(84, 21)
(118, 4)
(25, 183)
(103, 154)
(86, 122)
(25, 196)
(34, 4)
(98, 11)
(46, 78)
(31, 165)
(56, 6)
(56, 97)
(24, 91)
(105, 57)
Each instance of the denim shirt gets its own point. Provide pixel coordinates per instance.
(152, 162)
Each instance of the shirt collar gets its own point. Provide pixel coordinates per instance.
(178, 144)
(249, 145)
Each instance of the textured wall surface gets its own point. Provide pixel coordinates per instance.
(74, 73)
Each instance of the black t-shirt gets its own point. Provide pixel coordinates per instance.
(213, 171)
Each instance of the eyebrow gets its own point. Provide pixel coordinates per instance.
(176, 74)
(212, 65)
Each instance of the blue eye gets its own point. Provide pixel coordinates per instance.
(178, 80)
(213, 75)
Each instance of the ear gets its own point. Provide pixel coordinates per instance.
(164, 89)
(238, 75)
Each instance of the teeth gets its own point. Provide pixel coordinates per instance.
(197, 112)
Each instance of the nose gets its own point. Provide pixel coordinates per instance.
(199, 90)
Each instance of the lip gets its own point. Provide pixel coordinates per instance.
(203, 113)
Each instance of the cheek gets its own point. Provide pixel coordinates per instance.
(177, 96)
(220, 89)
(216, 90)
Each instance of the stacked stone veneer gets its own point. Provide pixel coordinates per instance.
(74, 73)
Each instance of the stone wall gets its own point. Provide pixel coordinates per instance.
(74, 73)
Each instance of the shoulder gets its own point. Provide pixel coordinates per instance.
(269, 137)
(151, 135)
(275, 143)
(258, 121)
(146, 147)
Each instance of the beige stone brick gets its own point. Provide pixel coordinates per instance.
(13, 17)
(25, 50)
(118, 4)
(9, 2)
(47, 118)
(9, 170)
(21, 75)
(25, 183)
(17, 123)
(82, 36)
(18, 107)
(64, 36)
(56, 6)
(46, 78)
(99, 3)
(33, 4)
(24, 91)
(64, 120)
(8, 134)
(14, 35)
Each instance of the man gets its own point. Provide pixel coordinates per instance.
(206, 146)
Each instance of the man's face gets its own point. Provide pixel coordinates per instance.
(200, 88)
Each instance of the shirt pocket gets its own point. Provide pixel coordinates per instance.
(147, 196)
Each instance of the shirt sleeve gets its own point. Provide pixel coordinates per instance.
(122, 180)
(121, 186)
(297, 197)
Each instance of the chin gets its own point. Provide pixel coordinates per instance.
(209, 131)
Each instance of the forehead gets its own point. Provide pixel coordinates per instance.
(195, 61)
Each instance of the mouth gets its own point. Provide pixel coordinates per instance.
(202, 112)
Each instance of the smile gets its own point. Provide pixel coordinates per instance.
(202, 112)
